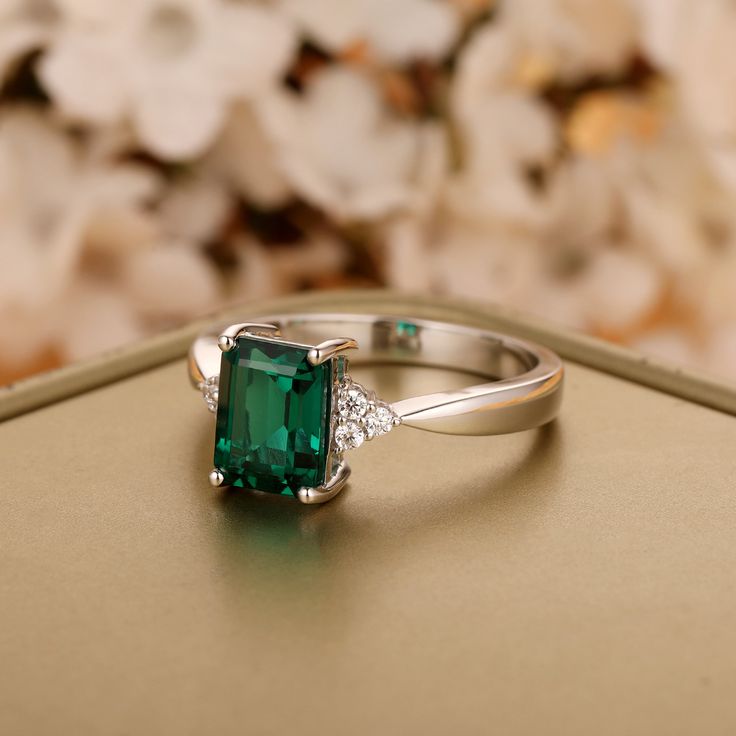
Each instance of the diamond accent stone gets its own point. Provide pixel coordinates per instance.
(349, 435)
(378, 421)
(210, 392)
(361, 416)
(352, 401)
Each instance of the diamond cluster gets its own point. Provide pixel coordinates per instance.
(360, 416)
(210, 392)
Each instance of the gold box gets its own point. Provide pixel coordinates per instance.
(574, 580)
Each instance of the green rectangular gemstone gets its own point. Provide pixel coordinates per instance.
(273, 417)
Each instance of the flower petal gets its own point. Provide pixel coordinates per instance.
(171, 282)
(247, 158)
(251, 48)
(94, 319)
(399, 32)
(84, 79)
(179, 121)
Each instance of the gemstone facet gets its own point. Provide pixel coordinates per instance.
(273, 416)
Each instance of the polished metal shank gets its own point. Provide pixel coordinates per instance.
(523, 381)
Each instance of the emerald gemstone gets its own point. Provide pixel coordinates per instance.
(406, 329)
(273, 417)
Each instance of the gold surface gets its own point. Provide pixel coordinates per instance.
(578, 580)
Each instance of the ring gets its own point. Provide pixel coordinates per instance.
(288, 410)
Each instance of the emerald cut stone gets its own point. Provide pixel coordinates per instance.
(273, 417)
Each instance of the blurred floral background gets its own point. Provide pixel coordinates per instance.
(572, 158)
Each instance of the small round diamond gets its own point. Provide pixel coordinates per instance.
(378, 422)
(352, 403)
(371, 426)
(349, 436)
(210, 392)
(385, 418)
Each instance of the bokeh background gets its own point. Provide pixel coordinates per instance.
(159, 159)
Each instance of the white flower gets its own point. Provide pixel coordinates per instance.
(24, 26)
(396, 31)
(264, 271)
(480, 262)
(172, 66)
(195, 208)
(695, 43)
(170, 283)
(667, 201)
(54, 203)
(246, 159)
(92, 319)
(503, 131)
(580, 38)
(661, 28)
(581, 205)
(407, 261)
(505, 136)
(619, 289)
(318, 256)
(255, 276)
(342, 149)
(534, 42)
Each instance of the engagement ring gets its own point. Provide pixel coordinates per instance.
(288, 410)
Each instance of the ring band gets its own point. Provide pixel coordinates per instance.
(287, 408)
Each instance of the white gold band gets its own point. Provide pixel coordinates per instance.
(523, 381)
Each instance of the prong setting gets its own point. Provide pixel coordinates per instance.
(356, 414)
(226, 340)
(328, 490)
(216, 477)
(325, 350)
(225, 343)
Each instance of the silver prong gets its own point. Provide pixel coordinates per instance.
(217, 477)
(327, 491)
(226, 340)
(325, 350)
(225, 343)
